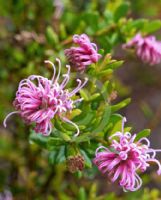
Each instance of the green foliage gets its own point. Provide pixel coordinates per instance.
(153, 26)
(51, 36)
(141, 134)
(121, 11)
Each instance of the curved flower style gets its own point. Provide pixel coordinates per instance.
(38, 100)
(83, 55)
(124, 158)
(148, 49)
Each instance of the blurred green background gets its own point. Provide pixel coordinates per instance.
(32, 31)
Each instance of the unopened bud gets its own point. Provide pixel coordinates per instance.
(75, 163)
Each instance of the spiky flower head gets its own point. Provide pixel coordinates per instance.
(84, 54)
(124, 158)
(148, 49)
(39, 99)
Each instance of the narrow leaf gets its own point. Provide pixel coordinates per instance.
(141, 134)
(121, 11)
(120, 105)
(39, 139)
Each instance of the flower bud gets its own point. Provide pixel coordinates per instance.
(75, 163)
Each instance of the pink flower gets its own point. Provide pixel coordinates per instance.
(148, 49)
(39, 99)
(83, 55)
(124, 158)
(6, 195)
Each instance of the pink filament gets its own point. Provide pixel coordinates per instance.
(39, 99)
(148, 49)
(84, 54)
(124, 158)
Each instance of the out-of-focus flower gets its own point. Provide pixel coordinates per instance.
(25, 37)
(6, 195)
(125, 156)
(83, 55)
(148, 49)
(39, 99)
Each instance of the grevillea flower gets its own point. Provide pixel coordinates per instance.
(148, 49)
(83, 55)
(124, 158)
(39, 99)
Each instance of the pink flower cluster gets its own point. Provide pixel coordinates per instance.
(148, 49)
(124, 158)
(83, 55)
(39, 99)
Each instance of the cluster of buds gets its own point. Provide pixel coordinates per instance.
(75, 163)
(148, 49)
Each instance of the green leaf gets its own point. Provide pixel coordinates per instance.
(91, 19)
(75, 113)
(94, 97)
(61, 155)
(104, 121)
(82, 194)
(78, 174)
(151, 27)
(95, 105)
(51, 36)
(52, 142)
(93, 191)
(70, 127)
(85, 137)
(117, 127)
(137, 24)
(85, 117)
(115, 118)
(101, 51)
(133, 25)
(115, 64)
(63, 34)
(88, 161)
(120, 105)
(105, 72)
(39, 139)
(57, 156)
(65, 137)
(58, 125)
(84, 94)
(105, 88)
(121, 11)
(52, 157)
(141, 134)
(95, 123)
